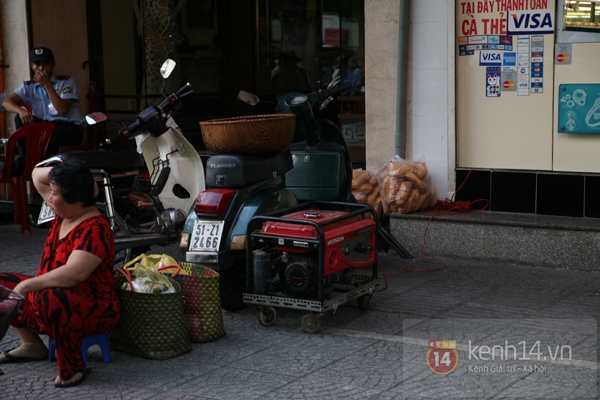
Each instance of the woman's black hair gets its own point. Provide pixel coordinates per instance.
(75, 181)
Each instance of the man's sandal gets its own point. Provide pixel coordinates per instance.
(75, 380)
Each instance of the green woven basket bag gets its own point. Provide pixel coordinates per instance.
(151, 325)
(202, 309)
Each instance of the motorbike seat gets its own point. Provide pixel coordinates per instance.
(239, 170)
(110, 161)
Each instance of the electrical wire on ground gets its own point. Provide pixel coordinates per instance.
(442, 207)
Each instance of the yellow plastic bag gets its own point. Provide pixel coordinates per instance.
(146, 273)
(150, 280)
(158, 261)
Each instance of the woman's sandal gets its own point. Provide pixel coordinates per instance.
(76, 379)
(9, 358)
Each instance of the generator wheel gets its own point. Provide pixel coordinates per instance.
(266, 315)
(310, 323)
(363, 302)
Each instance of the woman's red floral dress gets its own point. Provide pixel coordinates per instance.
(69, 314)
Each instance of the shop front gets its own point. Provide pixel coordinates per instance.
(267, 47)
(528, 105)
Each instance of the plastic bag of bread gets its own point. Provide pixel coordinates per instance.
(405, 186)
(365, 188)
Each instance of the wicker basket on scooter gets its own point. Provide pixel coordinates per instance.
(253, 134)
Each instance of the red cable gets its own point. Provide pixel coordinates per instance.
(461, 206)
(444, 207)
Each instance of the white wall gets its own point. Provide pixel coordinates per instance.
(430, 126)
(428, 90)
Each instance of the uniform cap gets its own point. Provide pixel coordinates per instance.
(41, 54)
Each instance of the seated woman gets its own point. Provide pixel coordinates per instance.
(73, 293)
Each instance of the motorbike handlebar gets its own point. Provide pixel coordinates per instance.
(168, 105)
(153, 114)
(185, 90)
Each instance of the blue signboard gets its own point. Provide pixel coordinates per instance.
(509, 59)
(579, 108)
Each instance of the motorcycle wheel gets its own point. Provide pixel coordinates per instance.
(232, 283)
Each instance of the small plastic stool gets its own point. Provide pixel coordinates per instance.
(100, 339)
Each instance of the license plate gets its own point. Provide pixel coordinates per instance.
(206, 235)
(46, 214)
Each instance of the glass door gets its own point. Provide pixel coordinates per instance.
(311, 45)
(303, 45)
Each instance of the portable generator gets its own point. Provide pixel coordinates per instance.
(302, 253)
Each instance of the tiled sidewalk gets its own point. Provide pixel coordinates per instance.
(375, 354)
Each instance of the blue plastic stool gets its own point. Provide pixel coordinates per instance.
(100, 339)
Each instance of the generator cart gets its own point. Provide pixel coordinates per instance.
(313, 257)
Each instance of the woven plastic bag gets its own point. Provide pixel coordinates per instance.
(151, 325)
(202, 309)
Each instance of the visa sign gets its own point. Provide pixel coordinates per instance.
(530, 21)
(490, 58)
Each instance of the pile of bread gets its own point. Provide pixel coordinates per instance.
(400, 186)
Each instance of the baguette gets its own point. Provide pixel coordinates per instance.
(398, 169)
(373, 196)
(419, 184)
(411, 203)
(420, 169)
(403, 193)
(359, 178)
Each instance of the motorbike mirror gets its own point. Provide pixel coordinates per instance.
(167, 68)
(249, 98)
(95, 118)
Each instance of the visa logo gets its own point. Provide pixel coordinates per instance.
(525, 21)
(530, 21)
(490, 58)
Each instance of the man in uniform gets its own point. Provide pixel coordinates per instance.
(51, 97)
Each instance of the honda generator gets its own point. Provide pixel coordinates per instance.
(303, 253)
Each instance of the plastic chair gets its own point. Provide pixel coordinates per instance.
(101, 339)
(83, 146)
(36, 139)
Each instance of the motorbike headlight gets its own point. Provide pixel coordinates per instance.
(172, 220)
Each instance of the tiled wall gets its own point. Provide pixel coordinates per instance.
(544, 193)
